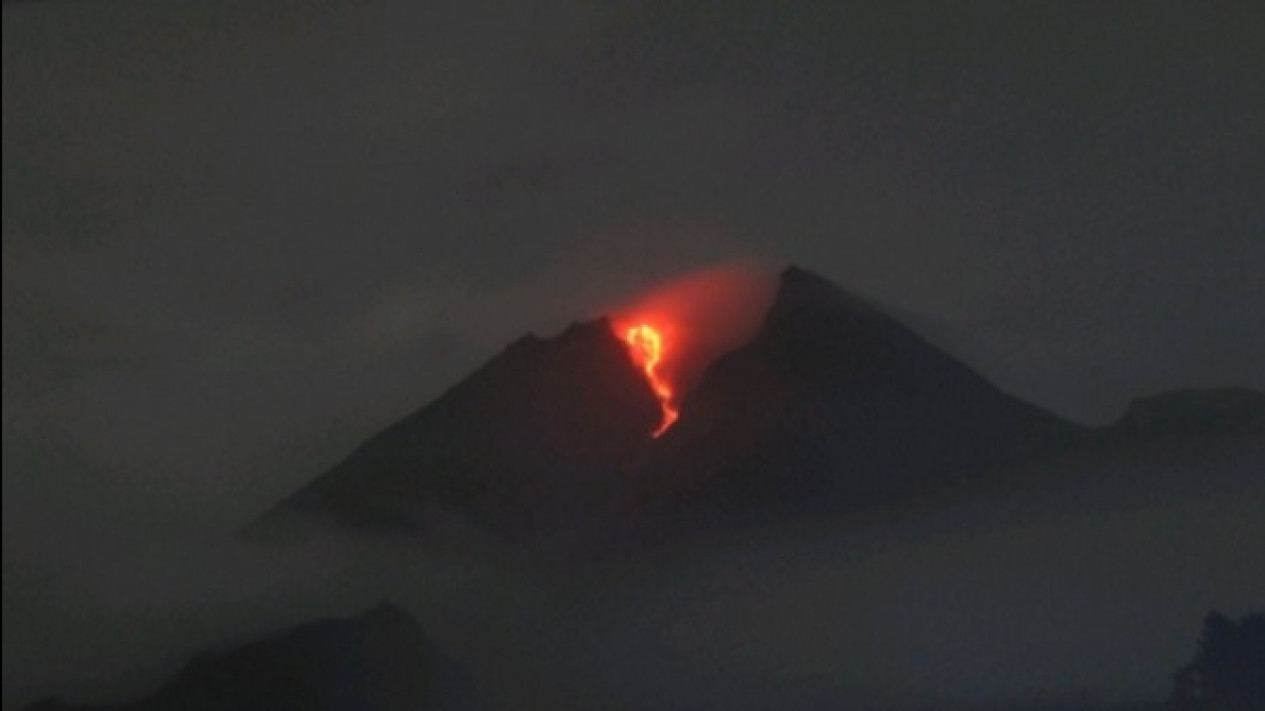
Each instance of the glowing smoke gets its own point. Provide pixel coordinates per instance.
(677, 328)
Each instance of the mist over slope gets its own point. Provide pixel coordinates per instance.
(831, 407)
(376, 661)
(845, 514)
(1091, 593)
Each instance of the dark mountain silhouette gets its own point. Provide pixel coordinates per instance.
(1227, 672)
(518, 444)
(1189, 414)
(378, 661)
(838, 406)
(833, 406)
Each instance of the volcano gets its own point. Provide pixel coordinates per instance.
(832, 407)
(542, 436)
(838, 406)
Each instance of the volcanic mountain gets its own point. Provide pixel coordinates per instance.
(831, 407)
(837, 406)
(542, 436)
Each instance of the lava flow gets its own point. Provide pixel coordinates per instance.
(648, 348)
(676, 328)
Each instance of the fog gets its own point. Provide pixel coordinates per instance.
(1086, 592)
(241, 237)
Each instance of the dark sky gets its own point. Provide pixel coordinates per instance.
(238, 237)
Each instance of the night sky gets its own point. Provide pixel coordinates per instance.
(240, 237)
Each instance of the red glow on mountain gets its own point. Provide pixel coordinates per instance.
(649, 347)
(677, 328)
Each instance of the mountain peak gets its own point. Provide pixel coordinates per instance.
(822, 331)
(593, 332)
(799, 288)
(1194, 411)
(835, 404)
(831, 406)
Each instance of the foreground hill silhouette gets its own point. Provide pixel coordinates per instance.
(377, 661)
(1227, 672)
(832, 407)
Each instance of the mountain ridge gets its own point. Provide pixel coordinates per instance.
(835, 391)
(378, 660)
(833, 407)
(563, 406)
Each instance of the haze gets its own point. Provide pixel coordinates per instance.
(239, 237)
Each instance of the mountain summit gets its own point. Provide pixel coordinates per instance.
(831, 407)
(835, 405)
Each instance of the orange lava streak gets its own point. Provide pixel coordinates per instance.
(647, 345)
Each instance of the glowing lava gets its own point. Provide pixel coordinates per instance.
(676, 328)
(648, 349)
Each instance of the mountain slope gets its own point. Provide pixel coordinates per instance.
(832, 407)
(835, 405)
(516, 445)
